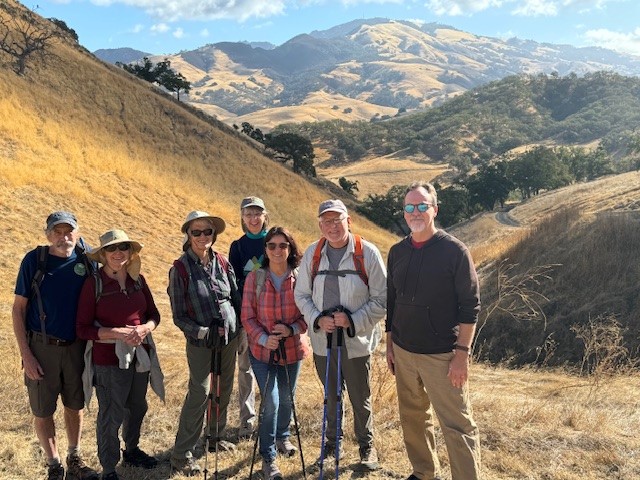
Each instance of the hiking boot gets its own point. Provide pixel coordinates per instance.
(55, 472)
(369, 458)
(330, 452)
(223, 446)
(246, 432)
(185, 466)
(270, 471)
(110, 476)
(284, 446)
(138, 458)
(78, 470)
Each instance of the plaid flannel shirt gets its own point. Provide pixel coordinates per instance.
(259, 316)
(212, 295)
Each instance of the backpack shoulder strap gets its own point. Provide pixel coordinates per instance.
(98, 284)
(358, 260)
(182, 271)
(261, 277)
(42, 252)
(184, 275)
(315, 263)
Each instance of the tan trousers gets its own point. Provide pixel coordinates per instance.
(423, 387)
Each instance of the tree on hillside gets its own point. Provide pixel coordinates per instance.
(294, 147)
(538, 169)
(160, 73)
(24, 37)
(347, 185)
(62, 25)
(490, 185)
(453, 204)
(386, 210)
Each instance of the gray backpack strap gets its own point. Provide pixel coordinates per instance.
(261, 277)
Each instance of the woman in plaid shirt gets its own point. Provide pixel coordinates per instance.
(274, 326)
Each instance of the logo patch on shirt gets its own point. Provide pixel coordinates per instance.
(79, 269)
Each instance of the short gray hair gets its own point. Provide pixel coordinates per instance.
(431, 190)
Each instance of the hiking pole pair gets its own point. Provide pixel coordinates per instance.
(338, 402)
(272, 360)
(214, 379)
(283, 355)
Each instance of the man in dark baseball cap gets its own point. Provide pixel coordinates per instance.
(44, 322)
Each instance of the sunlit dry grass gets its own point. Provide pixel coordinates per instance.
(83, 136)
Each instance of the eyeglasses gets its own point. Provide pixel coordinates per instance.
(196, 233)
(422, 207)
(332, 221)
(123, 247)
(252, 215)
(282, 246)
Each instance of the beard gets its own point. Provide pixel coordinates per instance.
(417, 226)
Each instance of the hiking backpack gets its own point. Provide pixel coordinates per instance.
(358, 260)
(261, 277)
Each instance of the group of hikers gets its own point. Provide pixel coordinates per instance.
(83, 319)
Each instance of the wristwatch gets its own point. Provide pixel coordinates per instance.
(463, 348)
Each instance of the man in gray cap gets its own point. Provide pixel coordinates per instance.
(44, 323)
(342, 285)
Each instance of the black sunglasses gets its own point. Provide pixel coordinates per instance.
(281, 246)
(196, 233)
(123, 247)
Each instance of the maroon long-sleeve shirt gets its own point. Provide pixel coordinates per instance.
(113, 309)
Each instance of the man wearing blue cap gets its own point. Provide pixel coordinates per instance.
(44, 323)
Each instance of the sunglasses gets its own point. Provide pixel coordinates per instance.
(196, 233)
(123, 247)
(422, 207)
(281, 246)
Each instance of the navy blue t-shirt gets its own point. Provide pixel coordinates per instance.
(60, 289)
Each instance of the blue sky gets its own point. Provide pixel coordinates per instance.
(169, 26)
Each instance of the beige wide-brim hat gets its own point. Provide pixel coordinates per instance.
(112, 237)
(218, 223)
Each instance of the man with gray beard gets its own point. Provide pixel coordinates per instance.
(433, 301)
(44, 323)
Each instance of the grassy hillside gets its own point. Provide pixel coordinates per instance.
(81, 135)
(494, 119)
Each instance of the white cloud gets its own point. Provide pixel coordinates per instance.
(173, 10)
(178, 33)
(137, 28)
(160, 28)
(620, 42)
(536, 8)
(527, 8)
(461, 7)
(204, 32)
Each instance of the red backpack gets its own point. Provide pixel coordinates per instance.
(358, 260)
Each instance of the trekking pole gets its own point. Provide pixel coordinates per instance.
(272, 358)
(214, 379)
(338, 400)
(283, 355)
(324, 412)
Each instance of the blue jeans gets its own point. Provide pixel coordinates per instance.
(276, 404)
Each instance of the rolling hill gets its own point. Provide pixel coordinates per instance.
(387, 64)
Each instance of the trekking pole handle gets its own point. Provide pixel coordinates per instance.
(329, 338)
(340, 336)
(283, 351)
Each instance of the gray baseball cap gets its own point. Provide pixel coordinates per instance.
(56, 218)
(252, 202)
(332, 206)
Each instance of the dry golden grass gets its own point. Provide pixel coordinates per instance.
(83, 136)
(377, 175)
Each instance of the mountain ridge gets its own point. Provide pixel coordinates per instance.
(388, 64)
